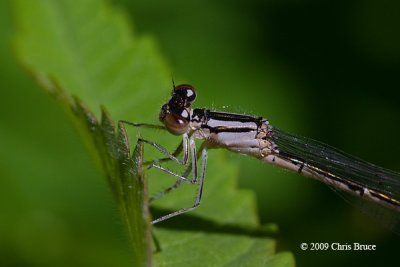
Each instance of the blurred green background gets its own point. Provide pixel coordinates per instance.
(324, 69)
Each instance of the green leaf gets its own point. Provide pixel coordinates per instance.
(87, 56)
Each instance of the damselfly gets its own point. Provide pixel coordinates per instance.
(254, 136)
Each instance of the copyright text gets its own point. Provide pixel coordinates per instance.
(337, 246)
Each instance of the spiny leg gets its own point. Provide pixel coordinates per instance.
(185, 147)
(182, 146)
(192, 148)
(176, 153)
(198, 195)
(179, 181)
(143, 125)
(163, 150)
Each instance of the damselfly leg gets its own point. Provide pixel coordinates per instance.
(199, 193)
(190, 157)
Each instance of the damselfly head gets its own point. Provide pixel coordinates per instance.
(176, 113)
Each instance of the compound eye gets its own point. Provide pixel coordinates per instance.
(176, 123)
(190, 94)
(186, 92)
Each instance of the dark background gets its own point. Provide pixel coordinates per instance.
(323, 69)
